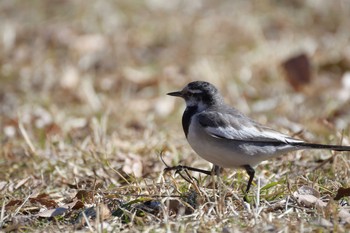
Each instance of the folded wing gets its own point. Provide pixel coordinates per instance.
(234, 125)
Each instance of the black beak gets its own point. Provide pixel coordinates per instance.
(175, 93)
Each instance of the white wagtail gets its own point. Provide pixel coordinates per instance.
(227, 138)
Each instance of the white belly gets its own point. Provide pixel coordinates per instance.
(230, 153)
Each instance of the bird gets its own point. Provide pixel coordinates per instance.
(227, 138)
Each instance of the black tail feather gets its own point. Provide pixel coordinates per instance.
(322, 146)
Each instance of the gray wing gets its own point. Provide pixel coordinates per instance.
(235, 126)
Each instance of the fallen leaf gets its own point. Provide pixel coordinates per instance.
(342, 192)
(52, 129)
(77, 205)
(85, 196)
(13, 204)
(298, 71)
(44, 200)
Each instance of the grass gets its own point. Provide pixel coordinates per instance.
(84, 117)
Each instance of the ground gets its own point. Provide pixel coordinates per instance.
(87, 128)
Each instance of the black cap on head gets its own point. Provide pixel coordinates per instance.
(203, 86)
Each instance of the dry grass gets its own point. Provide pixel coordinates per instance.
(84, 116)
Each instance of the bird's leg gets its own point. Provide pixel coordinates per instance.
(251, 173)
(216, 170)
(181, 167)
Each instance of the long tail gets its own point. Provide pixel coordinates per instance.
(321, 146)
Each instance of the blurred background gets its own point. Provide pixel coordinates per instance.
(84, 73)
(83, 102)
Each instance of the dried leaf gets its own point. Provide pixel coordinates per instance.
(44, 200)
(298, 71)
(342, 192)
(85, 196)
(52, 129)
(13, 204)
(77, 205)
(43, 195)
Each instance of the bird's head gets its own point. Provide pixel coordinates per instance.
(200, 94)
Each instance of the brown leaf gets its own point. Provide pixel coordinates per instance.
(13, 204)
(85, 196)
(43, 200)
(77, 205)
(43, 195)
(342, 192)
(298, 71)
(52, 129)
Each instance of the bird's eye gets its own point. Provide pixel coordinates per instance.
(191, 94)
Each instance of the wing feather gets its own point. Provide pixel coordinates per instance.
(234, 125)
